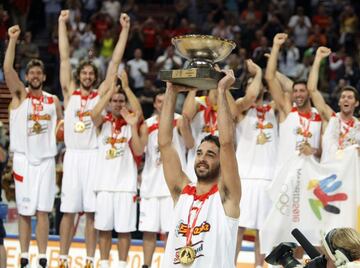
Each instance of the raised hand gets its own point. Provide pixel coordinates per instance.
(226, 82)
(14, 32)
(124, 20)
(323, 52)
(124, 79)
(64, 15)
(130, 118)
(252, 67)
(280, 39)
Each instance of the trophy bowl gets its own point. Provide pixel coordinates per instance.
(202, 50)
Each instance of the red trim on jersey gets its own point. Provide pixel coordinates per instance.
(155, 126)
(92, 94)
(18, 177)
(308, 115)
(191, 190)
(42, 99)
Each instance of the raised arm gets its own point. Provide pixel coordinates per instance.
(66, 81)
(285, 82)
(230, 187)
(96, 116)
(132, 99)
(16, 87)
(281, 99)
(174, 175)
(117, 53)
(252, 90)
(325, 111)
(138, 134)
(184, 126)
(190, 107)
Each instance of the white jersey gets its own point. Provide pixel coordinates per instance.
(32, 128)
(296, 129)
(116, 172)
(213, 233)
(257, 139)
(203, 124)
(153, 182)
(79, 109)
(339, 135)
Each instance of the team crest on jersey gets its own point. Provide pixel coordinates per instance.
(182, 229)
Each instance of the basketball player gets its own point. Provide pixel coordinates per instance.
(206, 213)
(80, 97)
(256, 134)
(343, 129)
(156, 204)
(33, 117)
(121, 142)
(299, 125)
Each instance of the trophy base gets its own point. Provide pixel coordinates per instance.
(199, 78)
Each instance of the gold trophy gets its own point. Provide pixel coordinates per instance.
(203, 51)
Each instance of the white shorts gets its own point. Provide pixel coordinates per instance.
(35, 186)
(156, 214)
(255, 203)
(115, 210)
(77, 190)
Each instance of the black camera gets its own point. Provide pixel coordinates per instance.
(283, 255)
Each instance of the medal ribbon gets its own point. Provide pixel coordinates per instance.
(305, 124)
(190, 230)
(116, 125)
(260, 114)
(83, 102)
(346, 125)
(36, 106)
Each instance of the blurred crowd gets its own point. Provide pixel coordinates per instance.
(251, 24)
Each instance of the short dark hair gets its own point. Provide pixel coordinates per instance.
(352, 89)
(34, 63)
(120, 91)
(299, 82)
(81, 66)
(161, 91)
(211, 138)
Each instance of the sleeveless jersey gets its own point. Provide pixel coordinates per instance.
(118, 173)
(79, 108)
(153, 182)
(213, 235)
(256, 156)
(203, 124)
(32, 128)
(339, 135)
(294, 130)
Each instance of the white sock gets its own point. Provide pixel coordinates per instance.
(104, 264)
(24, 255)
(122, 264)
(42, 256)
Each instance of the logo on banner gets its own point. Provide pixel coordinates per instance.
(326, 192)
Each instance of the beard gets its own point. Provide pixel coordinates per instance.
(209, 176)
(86, 87)
(35, 86)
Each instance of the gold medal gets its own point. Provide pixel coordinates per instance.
(339, 154)
(80, 127)
(37, 127)
(306, 143)
(261, 138)
(187, 255)
(111, 153)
